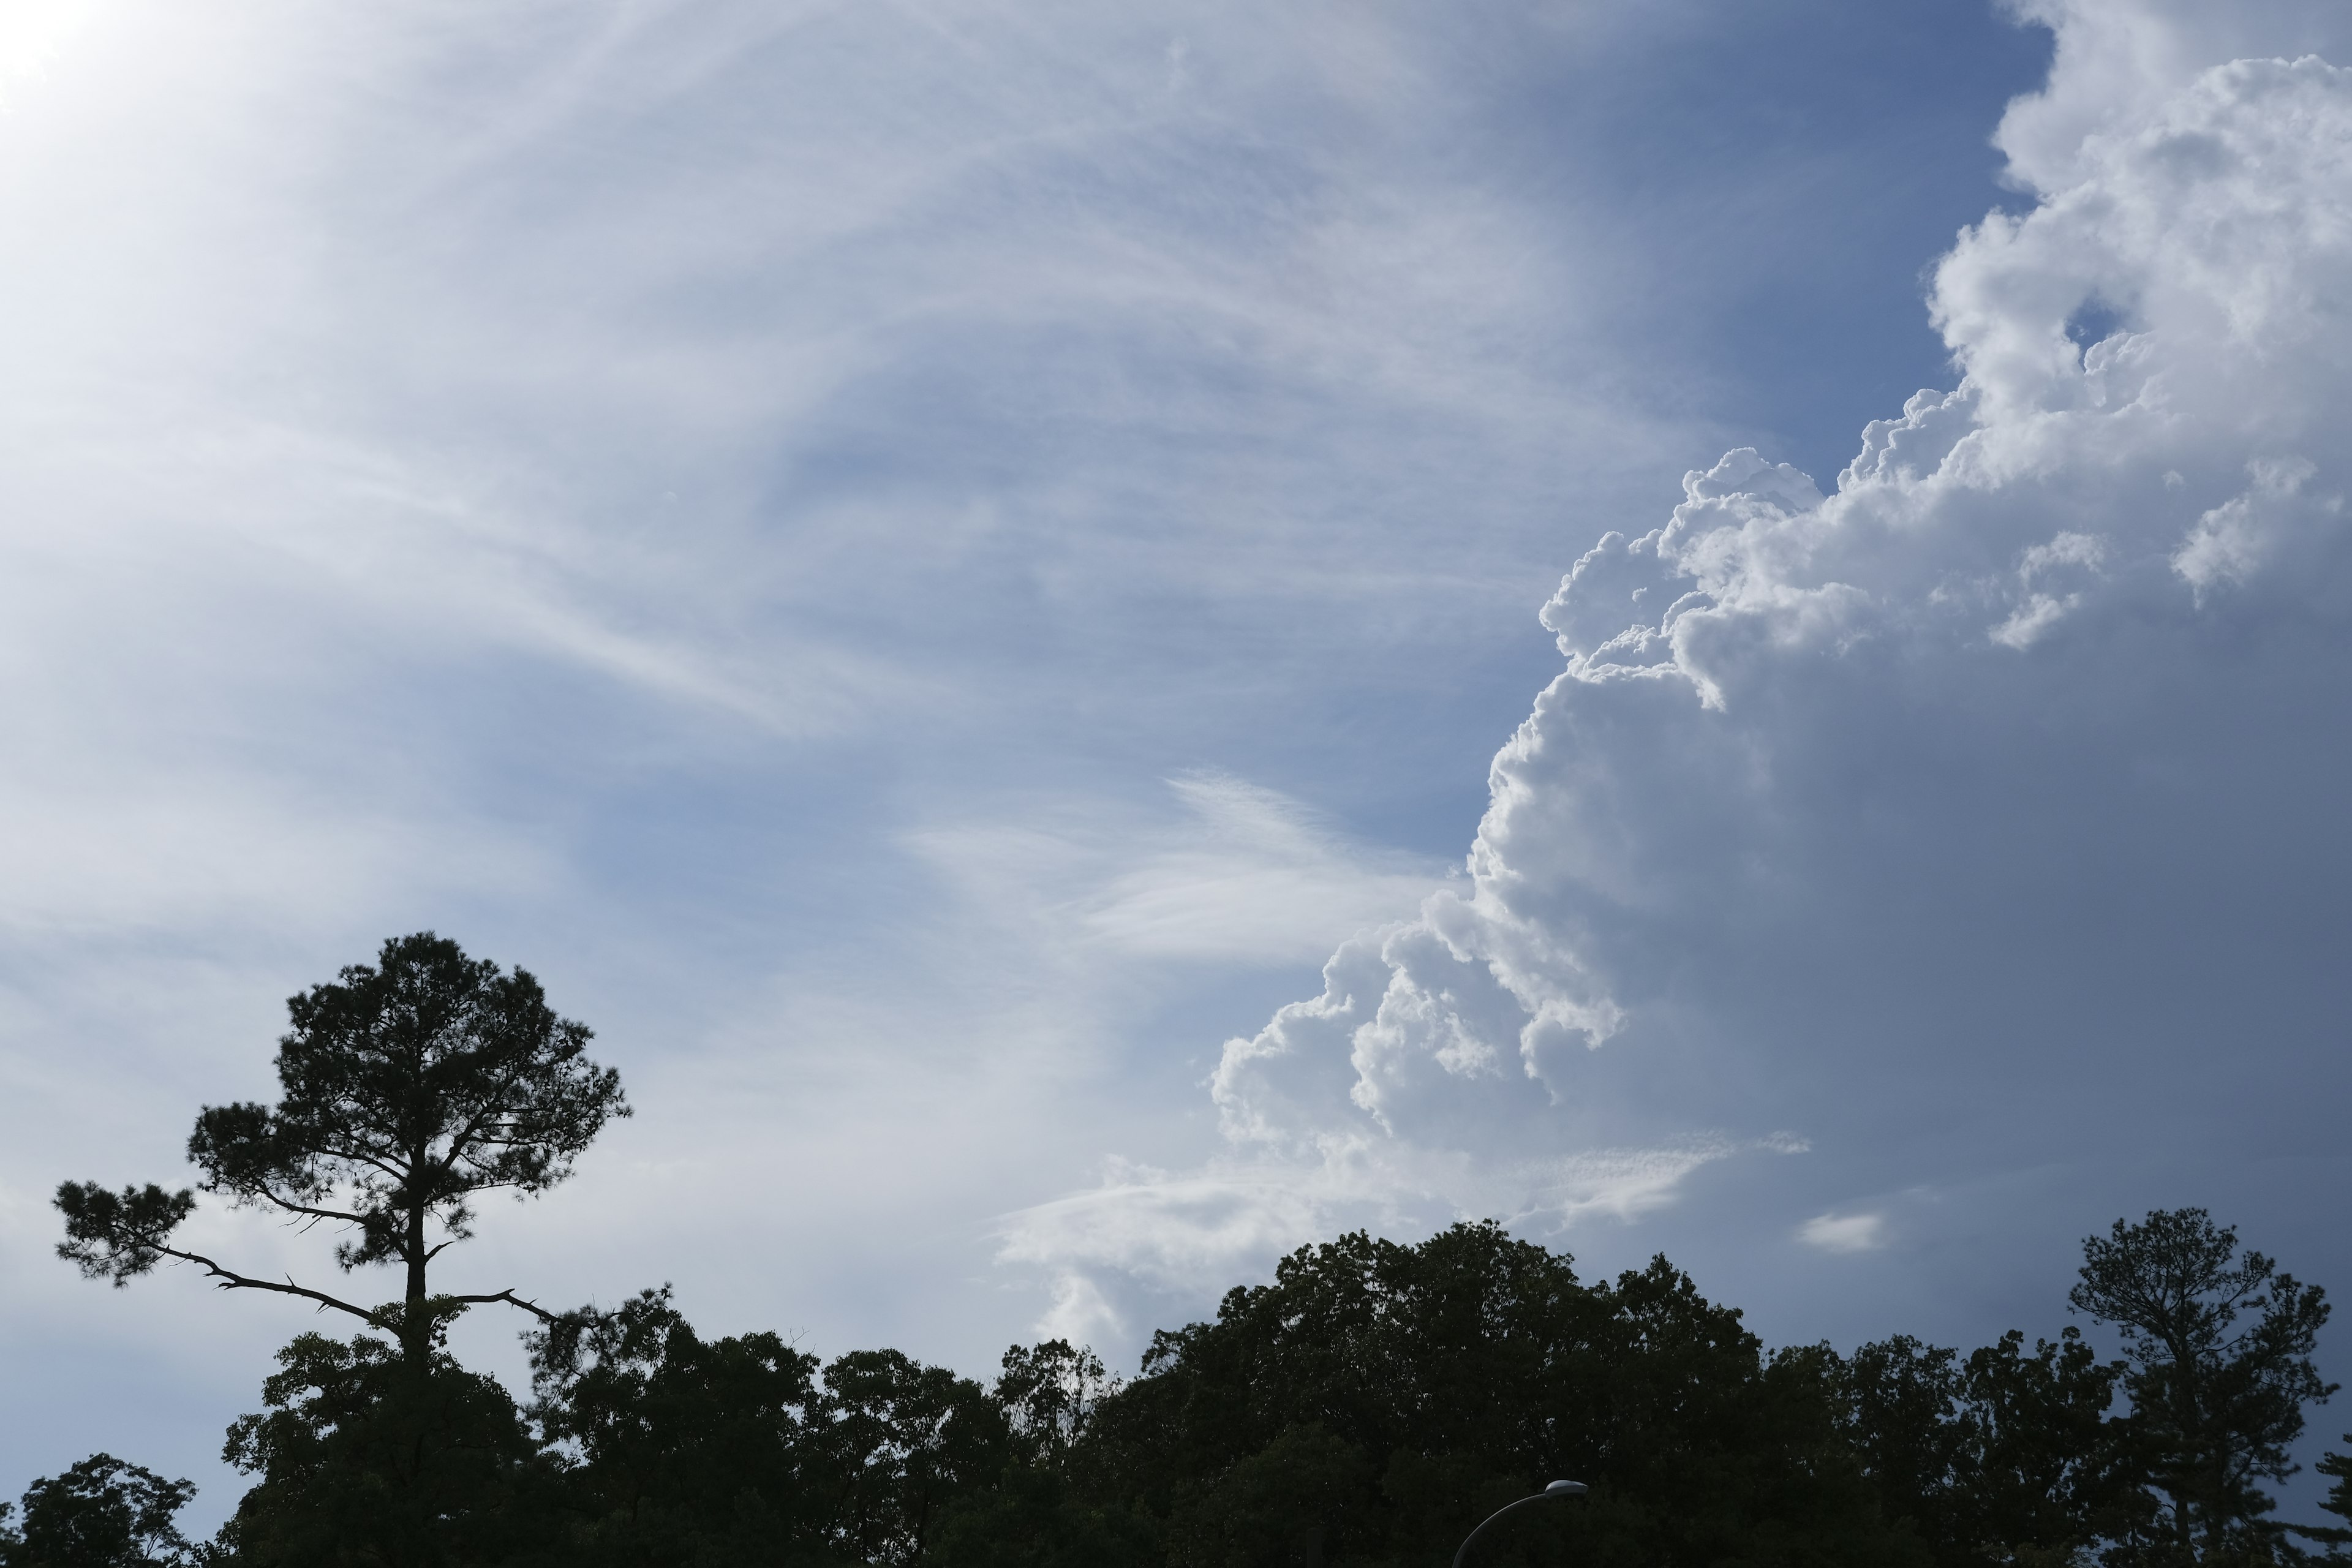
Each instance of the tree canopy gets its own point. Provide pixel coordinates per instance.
(102, 1513)
(1366, 1407)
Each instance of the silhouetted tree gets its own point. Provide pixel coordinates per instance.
(410, 1087)
(1377, 1400)
(2215, 1402)
(1042, 1509)
(683, 1450)
(1050, 1394)
(893, 1444)
(2337, 1468)
(365, 1460)
(1902, 1402)
(101, 1513)
(2004, 1459)
(2044, 1469)
(1036, 1518)
(743, 1450)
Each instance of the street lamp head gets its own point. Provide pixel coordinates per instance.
(1557, 1489)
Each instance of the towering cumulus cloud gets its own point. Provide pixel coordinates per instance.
(1986, 815)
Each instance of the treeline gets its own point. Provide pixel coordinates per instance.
(1368, 1407)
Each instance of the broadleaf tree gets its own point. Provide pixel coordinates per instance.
(104, 1513)
(410, 1087)
(361, 1461)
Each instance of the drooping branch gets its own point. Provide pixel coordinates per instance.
(229, 1279)
(117, 1236)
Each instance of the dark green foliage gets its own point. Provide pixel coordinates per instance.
(1902, 1399)
(2337, 1468)
(1033, 1518)
(101, 1513)
(116, 1237)
(2220, 1348)
(1287, 1503)
(1050, 1392)
(2004, 1459)
(2046, 1468)
(897, 1442)
(735, 1450)
(1364, 1410)
(409, 1089)
(1377, 1400)
(1039, 1509)
(685, 1451)
(363, 1461)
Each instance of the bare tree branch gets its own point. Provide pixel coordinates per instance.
(230, 1280)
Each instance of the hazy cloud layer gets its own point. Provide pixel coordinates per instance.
(743, 508)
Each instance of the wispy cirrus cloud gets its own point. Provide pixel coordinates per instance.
(1239, 874)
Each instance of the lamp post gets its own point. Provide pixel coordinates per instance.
(1557, 1489)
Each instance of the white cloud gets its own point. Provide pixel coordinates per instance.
(1242, 875)
(1154, 1236)
(2231, 541)
(1934, 788)
(1844, 1233)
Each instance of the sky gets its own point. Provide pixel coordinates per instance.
(1099, 642)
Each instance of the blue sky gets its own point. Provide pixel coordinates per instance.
(950, 577)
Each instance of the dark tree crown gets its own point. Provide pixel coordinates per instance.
(408, 1088)
(2219, 1346)
(104, 1513)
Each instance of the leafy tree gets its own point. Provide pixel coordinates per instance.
(364, 1461)
(2045, 1473)
(1041, 1510)
(893, 1444)
(1376, 1400)
(683, 1450)
(1034, 1518)
(410, 1087)
(1902, 1405)
(1050, 1392)
(2005, 1458)
(2219, 1348)
(101, 1513)
(741, 1450)
(1284, 1505)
